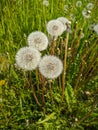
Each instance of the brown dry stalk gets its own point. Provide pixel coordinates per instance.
(64, 65)
(52, 48)
(30, 85)
(37, 78)
(34, 94)
(43, 88)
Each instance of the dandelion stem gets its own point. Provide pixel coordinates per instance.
(37, 79)
(43, 88)
(36, 99)
(51, 92)
(64, 69)
(29, 82)
(52, 48)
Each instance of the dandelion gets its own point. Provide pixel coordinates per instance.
(46, 3)
(64, 20)
(72, 17)
(50, 66)
(90, 6)
(79, 3)
(91, 27)
(82, 35)
(38, 40)
(27, 58)
(66, 23)
(55, 28)
(86, 13)
(96, 28)
(66, 7)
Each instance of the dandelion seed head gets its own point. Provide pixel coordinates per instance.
(46, 3)
(96, 28)
(55, 28)
(90, 6)
(28, 58)
(79, 3)
(91, 27)
(50, 66)
(86, 13)
(66, 7)
(82, 35)
(38, 40)
(64, 20)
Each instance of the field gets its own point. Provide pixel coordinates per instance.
(31, 99)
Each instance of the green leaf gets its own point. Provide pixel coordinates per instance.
(70, 97)
(47, 118)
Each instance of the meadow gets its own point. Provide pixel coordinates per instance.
(67, 101)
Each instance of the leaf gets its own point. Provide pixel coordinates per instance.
(69, 94)
(47, 118)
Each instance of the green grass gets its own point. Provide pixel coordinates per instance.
(79, 108)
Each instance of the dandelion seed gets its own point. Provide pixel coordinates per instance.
(38, 40)
(79, 3)
(50, 67)
(55, 28)
(90, 6)
(46, 3)
(96, 28)
(27, 58)
(86, 13)
(66, 7)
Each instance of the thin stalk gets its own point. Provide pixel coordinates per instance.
(51, 92)
(34, 94)
(52, 48)
(64, 64)
(29, 82)
(37, 79)
(43, 89)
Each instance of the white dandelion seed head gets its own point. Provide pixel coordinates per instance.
(46, 3)
(79, 3)
(66, 23)
(38, 40)
(64, 20)
(90, 6)
(86, 13)
(66, 7)
(50, 66)
(91, 27)
(96, 28)
(82, 35)
(28, 58)
(55, 28)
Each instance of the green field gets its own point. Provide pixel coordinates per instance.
(28, 100)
